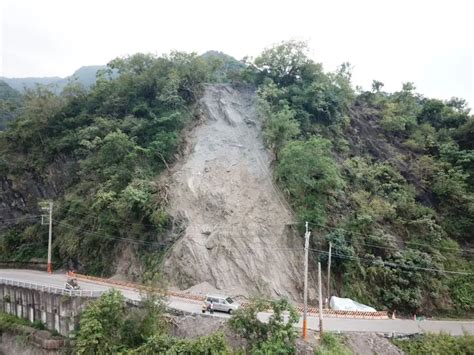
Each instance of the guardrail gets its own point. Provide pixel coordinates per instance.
(136, 287)
(49, 289)
(198, 298)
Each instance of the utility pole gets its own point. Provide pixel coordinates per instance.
(49, 209)
(305, 296)
(320, 303)
(328, 290)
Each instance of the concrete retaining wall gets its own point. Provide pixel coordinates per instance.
(58, 312)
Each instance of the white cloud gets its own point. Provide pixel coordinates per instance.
(428, 42)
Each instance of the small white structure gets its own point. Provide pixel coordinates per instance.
(346, 304)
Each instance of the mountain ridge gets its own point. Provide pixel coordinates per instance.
(85, 75)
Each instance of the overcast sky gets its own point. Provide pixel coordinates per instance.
(426, 42)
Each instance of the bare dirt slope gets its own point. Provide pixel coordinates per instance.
(236, 235)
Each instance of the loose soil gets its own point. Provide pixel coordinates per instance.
(236, 233)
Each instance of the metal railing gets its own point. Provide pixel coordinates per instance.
(49, 289)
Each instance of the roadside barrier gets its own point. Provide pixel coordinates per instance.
(134, 287)
(49, 289)
(330, 313)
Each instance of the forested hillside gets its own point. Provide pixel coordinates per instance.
(10, 100)
(86, 76)
(96, 153)
(387, 178)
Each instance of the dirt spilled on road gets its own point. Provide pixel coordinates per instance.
(236, 234)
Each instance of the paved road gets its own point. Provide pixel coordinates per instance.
(398, 326)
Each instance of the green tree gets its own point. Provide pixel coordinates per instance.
(277, 336)
(10, 102)
(423, 139)
(163, 344)
(284, 62)
(310, 176)
(107, 326)
(377, 86)
(456, 202)
(437, 344)
(280, 127)
(464, 135)
(462, 291)
(331, 344)
(450, 115)
(148, 320)
(101, 324)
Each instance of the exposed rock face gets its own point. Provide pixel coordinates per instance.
(237, 235)
(19, 195)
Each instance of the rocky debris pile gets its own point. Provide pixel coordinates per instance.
(369, 343)
(238, 236)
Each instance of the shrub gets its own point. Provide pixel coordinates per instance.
(37, 324)
(441, 344)
(163, 344)
(275, 336)
(10, 323)
(309, 174)
(331, 344)
(101, 325)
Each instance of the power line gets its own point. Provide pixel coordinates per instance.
(335, 254)
(128, 223)
(131, 240)
(314, 224)
(20, 218)
(393, 238)
(137, 241)
(29, 217)
(392, 264)
(16, 221)
(148, 225)
(406, 243)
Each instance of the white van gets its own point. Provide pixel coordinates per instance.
(221, 303)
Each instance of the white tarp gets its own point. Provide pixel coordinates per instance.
(346, 304)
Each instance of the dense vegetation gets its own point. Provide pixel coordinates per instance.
(21, 328)
(113, 140)
(277, 336)
(437, 344)
(107, 326)
(10, 101)
(331, 344)
(11, 323)
(387, 178)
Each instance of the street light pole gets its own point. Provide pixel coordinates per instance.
(50, 237)
(49, 209)
(320, 302)
(305, 296)
(328, 298)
